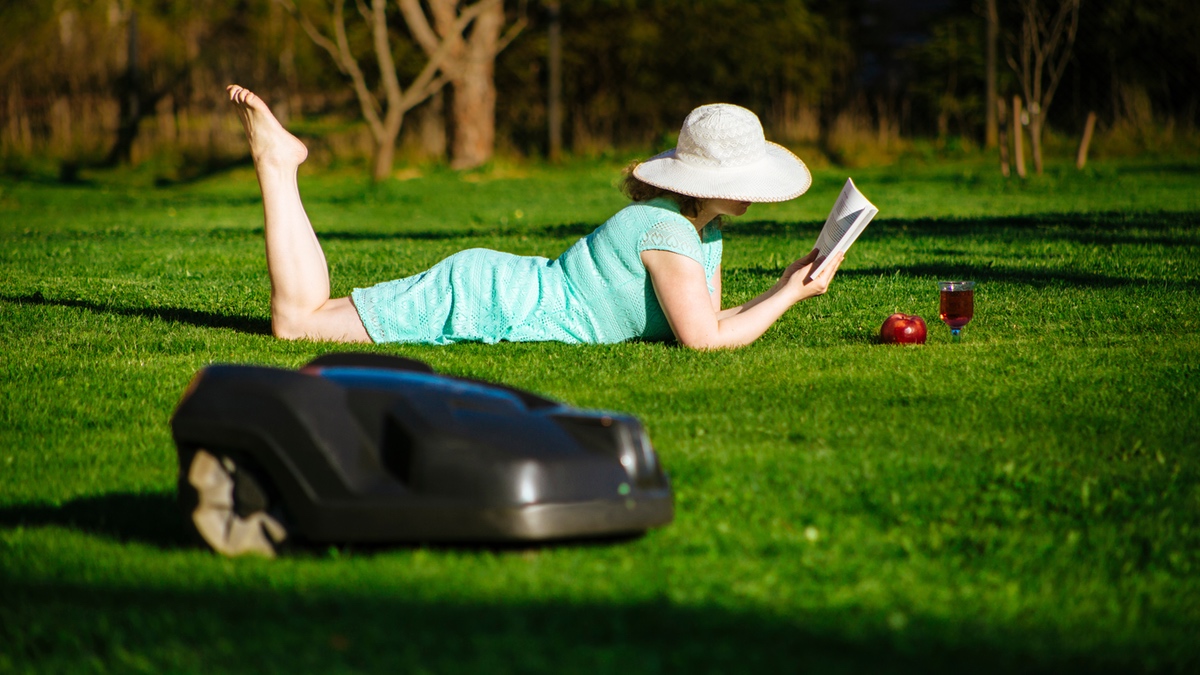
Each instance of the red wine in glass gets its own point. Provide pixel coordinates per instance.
(958, 305)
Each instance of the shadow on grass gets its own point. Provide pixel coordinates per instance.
(194, 172)
(1026, 277)
(1094, 229)
(242, 625)
(1037, 278)
(258, 629)
(1104, 228)
(152, 519)
(555, 231)
(156, 519)
(245, 324)
(1180, 167)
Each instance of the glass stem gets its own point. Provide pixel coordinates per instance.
(955, 335)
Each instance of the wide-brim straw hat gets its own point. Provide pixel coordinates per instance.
(722, 153)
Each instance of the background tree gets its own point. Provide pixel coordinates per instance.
(818, 72)
(384, 114)
(145, 82)
(631, 69)
(82, 78)
(952, 82)
(1140, 62)
(991, 99)
(554, 116)
(1043, 51)
(467, 59)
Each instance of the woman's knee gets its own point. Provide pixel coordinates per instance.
(336, 320)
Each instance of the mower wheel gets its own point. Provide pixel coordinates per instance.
(233, 511)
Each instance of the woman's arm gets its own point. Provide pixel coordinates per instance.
(683, 294)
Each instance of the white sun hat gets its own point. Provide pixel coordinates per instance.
(722, 153)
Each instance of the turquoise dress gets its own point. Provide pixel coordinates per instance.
(596, 292)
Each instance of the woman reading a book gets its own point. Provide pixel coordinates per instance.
(652, 271)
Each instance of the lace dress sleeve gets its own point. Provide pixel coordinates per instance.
(676, 237)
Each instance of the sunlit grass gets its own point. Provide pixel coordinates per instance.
(1024, 500)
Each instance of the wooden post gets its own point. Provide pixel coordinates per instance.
(1088, 128)
(1002, 135)
(1018, 143)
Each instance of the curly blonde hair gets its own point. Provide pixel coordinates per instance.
(639, 191)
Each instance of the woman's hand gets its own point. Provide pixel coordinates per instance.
(797, 282)
(683, 295)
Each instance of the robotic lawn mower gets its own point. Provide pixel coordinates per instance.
(371, 448)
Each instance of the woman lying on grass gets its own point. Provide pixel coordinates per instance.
(652, 271)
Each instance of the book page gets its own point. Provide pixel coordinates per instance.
(850, 215)
(846, 210)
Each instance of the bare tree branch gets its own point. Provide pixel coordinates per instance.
(469, 14)
(418, 25)
(444, 13)
(343, 58)
(429, 89)
(511, 34)
(429, 75)
(1045, 43)
(367, 101)
(387, 65)
(1059, 68)
(444, 42)
(449, 27)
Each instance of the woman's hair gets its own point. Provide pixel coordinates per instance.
(639, 191)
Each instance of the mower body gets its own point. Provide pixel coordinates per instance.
(367, 448)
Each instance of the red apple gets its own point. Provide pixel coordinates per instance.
(902, 329)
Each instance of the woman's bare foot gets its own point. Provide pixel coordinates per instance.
(271, 145)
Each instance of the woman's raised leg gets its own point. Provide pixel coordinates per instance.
(300, 302)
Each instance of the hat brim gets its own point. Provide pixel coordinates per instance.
(777, 177)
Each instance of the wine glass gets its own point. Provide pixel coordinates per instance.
(958, 305)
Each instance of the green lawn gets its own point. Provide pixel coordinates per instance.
(1027, 500)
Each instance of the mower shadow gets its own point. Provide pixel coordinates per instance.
(146, 518)
(201, 319)
(155, 519)
(250, 627)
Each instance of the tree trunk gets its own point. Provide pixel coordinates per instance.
(397, 101)
(473, 103)
(1036, 122)
(1045, 51)
(431, 126)
(554, 90)
(129, 95)
(383, 160)
(991, 130)
(385, 150)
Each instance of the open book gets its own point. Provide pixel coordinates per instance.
(849, 217)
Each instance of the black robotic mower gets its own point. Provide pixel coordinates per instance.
(372, 448)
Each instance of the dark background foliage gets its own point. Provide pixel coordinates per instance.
(818, 72)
